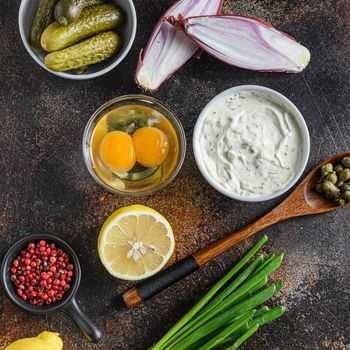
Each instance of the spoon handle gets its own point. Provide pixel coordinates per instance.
(185, 267)
(302, 201)
(278, 214)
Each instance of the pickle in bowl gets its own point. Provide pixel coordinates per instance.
(43, 17)
(37, 25)
(67, 11)
(93, 20)
(90, 51)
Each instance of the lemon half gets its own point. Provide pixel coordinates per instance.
(135, 242)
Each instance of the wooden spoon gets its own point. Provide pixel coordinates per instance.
(302, 201)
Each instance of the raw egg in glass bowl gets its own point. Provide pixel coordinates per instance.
(117, 152)
(151, 146)
(134, 145)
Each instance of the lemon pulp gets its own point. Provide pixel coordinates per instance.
(135, 242)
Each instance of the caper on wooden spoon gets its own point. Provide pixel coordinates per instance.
(334, 181)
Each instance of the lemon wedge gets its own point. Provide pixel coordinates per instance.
(135, 242)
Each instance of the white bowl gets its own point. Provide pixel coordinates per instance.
(127, 32)
(290, 107)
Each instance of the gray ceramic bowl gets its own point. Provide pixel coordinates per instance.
(127, 32)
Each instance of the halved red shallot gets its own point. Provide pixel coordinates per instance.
(245, 42)
(167, 48)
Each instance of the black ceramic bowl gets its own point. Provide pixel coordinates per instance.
(68, 304)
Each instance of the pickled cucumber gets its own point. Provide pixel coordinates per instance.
(67, 11)
(137, 173)
(93, 20)
(44, 16)
(130, 123)
(90, 51)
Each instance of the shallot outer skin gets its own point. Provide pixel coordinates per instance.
(244, 42)
(168, 48)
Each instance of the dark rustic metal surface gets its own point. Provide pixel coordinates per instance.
(44, 186)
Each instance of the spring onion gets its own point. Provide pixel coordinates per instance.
(232, 310)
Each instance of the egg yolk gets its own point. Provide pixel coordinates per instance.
(117, 151)
(151, 146)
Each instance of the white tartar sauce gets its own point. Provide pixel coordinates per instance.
(250, 144)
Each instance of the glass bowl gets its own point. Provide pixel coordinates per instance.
(134, 100)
